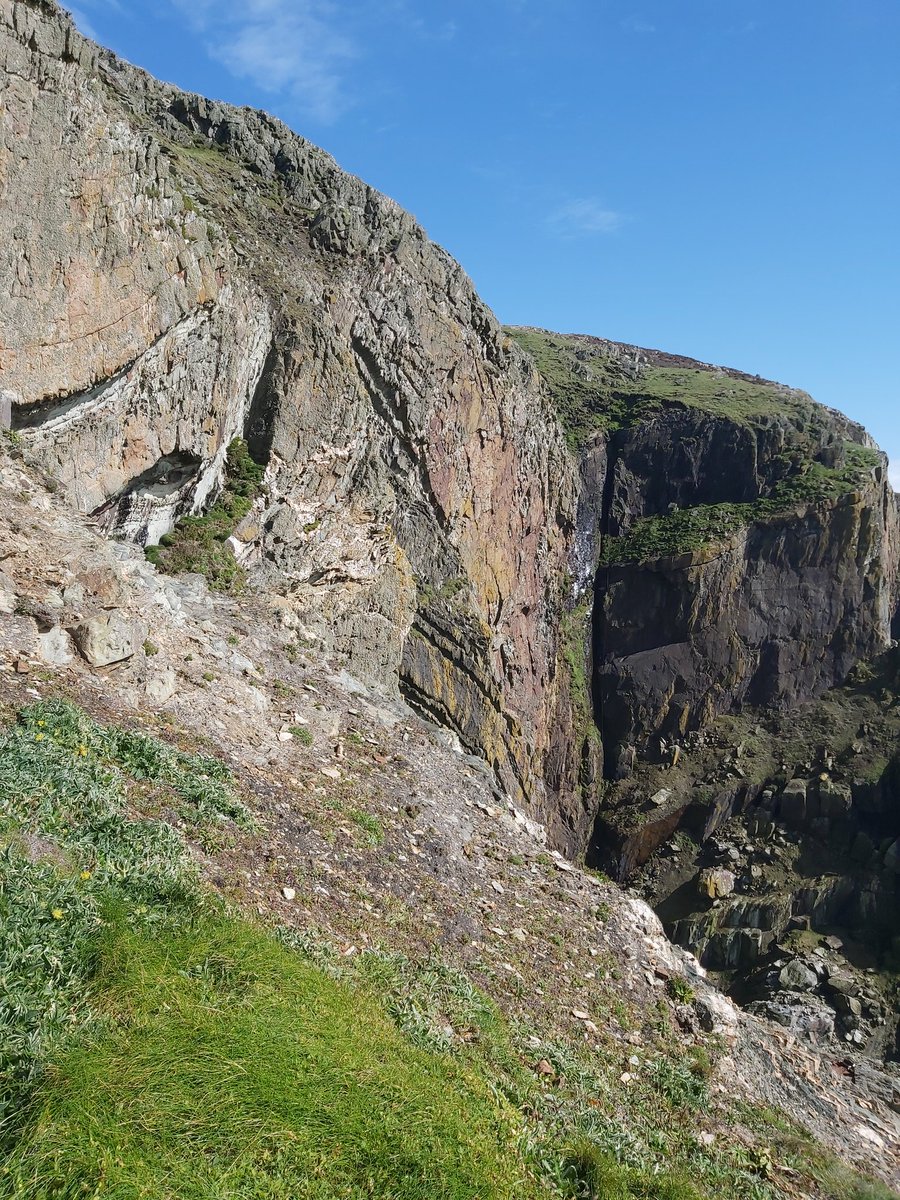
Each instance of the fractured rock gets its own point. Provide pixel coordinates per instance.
(108, 638)
(716, 882)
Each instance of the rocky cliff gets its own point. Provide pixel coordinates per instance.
(179, 273)
(655, 598)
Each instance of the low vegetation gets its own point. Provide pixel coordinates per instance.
(688, 529)
(200, 543)
(598, 386)
(156, 1044)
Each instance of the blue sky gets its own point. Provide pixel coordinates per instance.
(718, 178)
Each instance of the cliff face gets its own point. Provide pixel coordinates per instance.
(182, 273)
(748, 539)
(560, 584)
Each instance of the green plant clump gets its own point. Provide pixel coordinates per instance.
(688, 529)
(200, 543)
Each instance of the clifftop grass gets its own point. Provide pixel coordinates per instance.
(600, 386)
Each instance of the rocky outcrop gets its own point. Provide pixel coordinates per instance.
(774, 614)
(154, 310)
(179, 273)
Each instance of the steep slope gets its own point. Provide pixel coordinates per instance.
(541, 1003)
(749, 538)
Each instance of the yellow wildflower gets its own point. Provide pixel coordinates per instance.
(57, 914)
(38, 737)
(85, 874)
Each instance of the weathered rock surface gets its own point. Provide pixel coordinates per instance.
(155, 310)
(107, 638)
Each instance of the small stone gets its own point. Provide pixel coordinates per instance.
(289, 893)
(543, 1067)
(161, 685)
(715, 882)
(329, 772)
(663, 796)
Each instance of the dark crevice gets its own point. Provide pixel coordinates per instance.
(598, 627)
(259, 425)
(40, 413)
(165, 478)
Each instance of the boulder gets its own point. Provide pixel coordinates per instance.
(55, 647)
(161, 685)
(796, 976)
(794, 803)
(108, 638)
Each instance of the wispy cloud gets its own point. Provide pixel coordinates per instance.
(579, 217)
(637, 25)
(895, 474)
(83, 23)
(291, 47)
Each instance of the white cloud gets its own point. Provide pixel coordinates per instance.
(637, 25)
(894, 473)
(291, 47)
(579, 217)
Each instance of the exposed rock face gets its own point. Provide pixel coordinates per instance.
(775, 614)
(412, 457)
(179, 273)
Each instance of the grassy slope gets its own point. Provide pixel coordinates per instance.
(155, 1044)
(598, 387)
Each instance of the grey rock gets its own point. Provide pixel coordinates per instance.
(7, 594)
(55, 647)
(107, 638)
(161, 684)
(796, 976)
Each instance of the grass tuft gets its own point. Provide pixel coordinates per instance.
(200, 543)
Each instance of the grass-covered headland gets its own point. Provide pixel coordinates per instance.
(155, 1044)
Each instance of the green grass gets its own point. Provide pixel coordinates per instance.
(370, 825)
(72, 852)
(171, 1095)
(155, 1045)
(596, 387)
(200, 543)
(689, 529)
